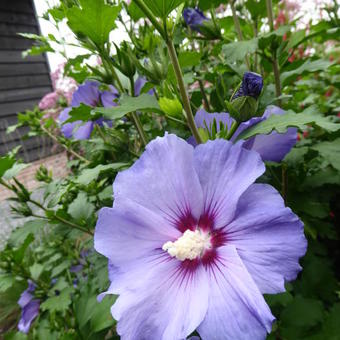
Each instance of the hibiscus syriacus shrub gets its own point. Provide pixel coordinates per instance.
(203, 186)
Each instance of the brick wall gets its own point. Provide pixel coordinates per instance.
(56, 163)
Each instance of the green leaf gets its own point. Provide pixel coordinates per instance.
(144, 103)
(81, 112)
(94, 20)
(13, 335)
(19, 235)
(60, 268)
(330, 151)
(101, 317)
(18, 254)
(162, 8)
(269, 38)
(36, 270)
(257, 8)
(14, 171)
(81, 208)
(58, 303)
(189, 58)
(89, 175)
(303, 312)
(308, 66)
(238, 50)
(280, 123)
(6, 281)
(6, 163)
(172, 107)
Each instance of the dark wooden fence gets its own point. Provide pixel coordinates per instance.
(23, 82)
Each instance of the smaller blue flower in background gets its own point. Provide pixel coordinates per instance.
(29, 308)
(194, 18)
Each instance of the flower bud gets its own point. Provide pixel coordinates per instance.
(198, 22)
(125, 63)
(194, 18)
(243, 105)
(251, 86)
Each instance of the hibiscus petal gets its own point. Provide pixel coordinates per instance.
(224, 179)
(87, 93)
(268, 236)
(272, 147)
(237, 310)
(28, 314)
(275, 146)
(167, 304)
(129, 231)
(83, 131)
(204, 119)
(163, 180)
(67, 129)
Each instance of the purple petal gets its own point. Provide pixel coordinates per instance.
(140, 82)
(237, 310)
(163, 180)
(129, 231)
(108, 97)
(204, 119)
(87, 93)
(25, 298)
(28, 314)
(275, 146)
(225, 171)
(160, 301)
(194, 18)
(83, 131)
(272, 147)
(268, 236)
(67, 129)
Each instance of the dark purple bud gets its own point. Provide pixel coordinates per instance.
(251, 86)
(194, 18)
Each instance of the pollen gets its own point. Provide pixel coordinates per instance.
(189, 246)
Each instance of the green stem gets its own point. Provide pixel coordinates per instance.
(145, 9)
(60, 219)
(135, 117)
(75, 154)
(275, 63)
(232, 130)
(183, 92)
(178, 72)
(110, 69)
(204, 95)
(238, 29)
(176, 120)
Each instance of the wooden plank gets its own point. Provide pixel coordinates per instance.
(23, 94)
(22, 69)
(14, 136)
(10, 29)
(8, 121)
(15, 43)
(18, 82)
(7, 109)
(37, 143)
(23, 6)
(16, 57)
(17, 18)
